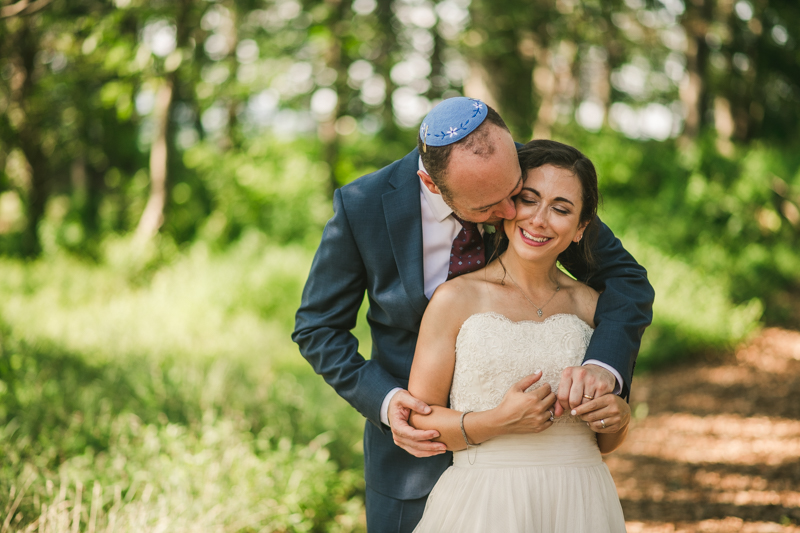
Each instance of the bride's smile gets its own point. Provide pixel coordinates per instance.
(536, 240)
(548, 212)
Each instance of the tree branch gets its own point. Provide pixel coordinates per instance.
(23, 7)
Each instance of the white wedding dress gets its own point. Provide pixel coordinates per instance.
(549, 482)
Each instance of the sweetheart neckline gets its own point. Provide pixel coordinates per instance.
(537, 322)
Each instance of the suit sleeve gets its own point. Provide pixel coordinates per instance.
(331, 299)
(625, 307)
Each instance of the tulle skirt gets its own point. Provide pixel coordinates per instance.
(550, 482)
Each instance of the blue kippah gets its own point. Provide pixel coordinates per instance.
(452, 120)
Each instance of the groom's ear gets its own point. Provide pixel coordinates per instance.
(426, 179)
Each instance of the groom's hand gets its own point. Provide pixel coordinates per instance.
(417, 442)
(577, 382)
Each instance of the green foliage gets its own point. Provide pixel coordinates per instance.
(733, 220)
(213, 477)
(179, 393)
(276, 187)
(693, 312)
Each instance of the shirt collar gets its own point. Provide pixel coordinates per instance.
(439, 208)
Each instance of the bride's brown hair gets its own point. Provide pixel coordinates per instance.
(540, 152)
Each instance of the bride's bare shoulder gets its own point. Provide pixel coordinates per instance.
(455, 291)
(583, 299)
(462, 295)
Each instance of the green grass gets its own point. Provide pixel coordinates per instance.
(171, 399)
(693, 312)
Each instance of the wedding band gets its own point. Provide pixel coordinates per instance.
(603, 423)
(552, 415)
(588, 397)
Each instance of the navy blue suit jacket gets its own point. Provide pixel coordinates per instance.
(373, 243)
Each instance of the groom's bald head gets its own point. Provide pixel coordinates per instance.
(478, 175)
(437, 158)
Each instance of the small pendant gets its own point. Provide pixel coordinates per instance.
(539, 312)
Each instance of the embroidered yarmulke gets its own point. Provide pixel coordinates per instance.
(452, 120)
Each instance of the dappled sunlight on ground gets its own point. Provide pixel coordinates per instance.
(717, 439)
(727, 525)
(716, 446)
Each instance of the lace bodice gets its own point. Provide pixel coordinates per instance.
(494, 352)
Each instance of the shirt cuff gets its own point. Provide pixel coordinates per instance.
(385, 404)
(617, 387)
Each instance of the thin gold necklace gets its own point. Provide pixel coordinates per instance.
(538, 309)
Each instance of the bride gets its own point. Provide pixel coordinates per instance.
(492, 346)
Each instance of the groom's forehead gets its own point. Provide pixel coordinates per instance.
(485, 180)
(491, 147)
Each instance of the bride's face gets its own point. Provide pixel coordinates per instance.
(548, 213)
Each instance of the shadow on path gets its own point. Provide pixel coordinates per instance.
(717, 444)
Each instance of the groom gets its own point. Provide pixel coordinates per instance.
(392, 235)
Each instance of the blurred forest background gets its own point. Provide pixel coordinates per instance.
(166, 169)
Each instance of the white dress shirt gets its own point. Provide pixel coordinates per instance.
(439, 230)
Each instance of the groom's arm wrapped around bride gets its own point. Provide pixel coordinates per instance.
(346, 265)
(373, 244)
(625, 307)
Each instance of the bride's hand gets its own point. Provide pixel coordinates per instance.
(527, 412)
(607, 414)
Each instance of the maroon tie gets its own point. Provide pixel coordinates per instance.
(467, 253)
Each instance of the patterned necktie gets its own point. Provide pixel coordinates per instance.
(467, 253)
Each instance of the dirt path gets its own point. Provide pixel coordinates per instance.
(719, 447)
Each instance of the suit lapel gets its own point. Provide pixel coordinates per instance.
(404, 221)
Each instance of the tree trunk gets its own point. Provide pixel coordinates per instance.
(388, 46)
(337, 59)
(37, 193)
(544, 81)
(28, 137)
(693, 91)
(153, 216)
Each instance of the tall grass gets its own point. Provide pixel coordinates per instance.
(693, 312)
(175, 394)
(167, 477)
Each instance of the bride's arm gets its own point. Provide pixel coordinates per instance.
(519, 412)
(434, 363)
(432, 376)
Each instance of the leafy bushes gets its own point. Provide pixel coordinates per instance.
(734, 219)
(717, 233)
(278, 188)
(180, 395)
(693, 313)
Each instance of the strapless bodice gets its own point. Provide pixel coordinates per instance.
(551, 481)
(493, 353)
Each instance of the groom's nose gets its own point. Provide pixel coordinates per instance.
(506, 209)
